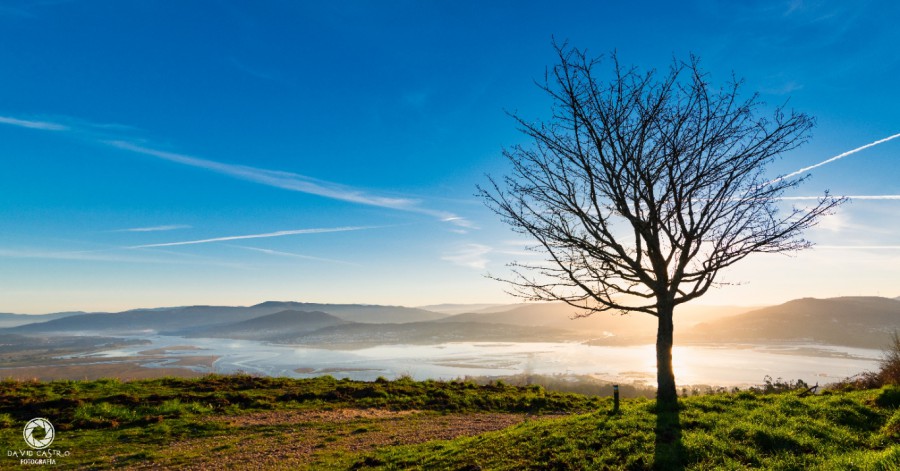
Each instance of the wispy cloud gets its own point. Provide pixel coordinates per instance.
(107, 256)
(254, 71)
(28, 9)
(171, 227)
(102, 256)
(42, 125)
(857, 247)
(783, 88)
(294, 255)
(837, 157)
(852, 197)
(17, 12)
(469, 255)
(276, 178)
(256, 236)
(295, 182)
(520, 248)
(462, 222)
(100, 133)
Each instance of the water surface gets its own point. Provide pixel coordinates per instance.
(723, 365)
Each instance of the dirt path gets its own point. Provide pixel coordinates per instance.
(295, 439)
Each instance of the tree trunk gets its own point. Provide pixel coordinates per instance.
(666, 393)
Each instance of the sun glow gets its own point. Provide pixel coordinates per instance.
(684, 361)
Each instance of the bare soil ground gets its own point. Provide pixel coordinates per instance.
(297, 439)
(126, 368)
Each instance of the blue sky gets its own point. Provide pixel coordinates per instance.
(215, 152)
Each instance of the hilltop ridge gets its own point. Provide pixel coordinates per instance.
(857, 321)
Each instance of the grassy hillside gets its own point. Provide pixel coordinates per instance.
(242, 422)
(740, 431)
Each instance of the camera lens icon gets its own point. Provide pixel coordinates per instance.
(35, 442)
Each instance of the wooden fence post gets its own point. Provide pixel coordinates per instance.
(615, 398)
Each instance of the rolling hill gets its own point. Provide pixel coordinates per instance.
(850, 321)
(363, 313)
(358, 335)
(193, 317)
(283, 324)
(322, 329)
(609, 326)
(145, 320)
(15, 320)
(451, 308)
(864, 322)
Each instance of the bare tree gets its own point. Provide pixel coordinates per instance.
(641, 189)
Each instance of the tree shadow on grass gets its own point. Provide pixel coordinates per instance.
(669, 453)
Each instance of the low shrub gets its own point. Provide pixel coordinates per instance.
(889, 367)
(779, 385)
(888, 370)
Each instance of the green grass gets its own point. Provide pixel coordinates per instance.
(107, 423)
(98, 403)
(726, 431)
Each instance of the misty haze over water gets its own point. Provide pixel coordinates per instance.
(724, 365)
(814, 340)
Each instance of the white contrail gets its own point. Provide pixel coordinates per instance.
(294, 255)
(295, 182)
(170, 227)
(104, 256)
(256, 236)
(23, 123)
(836, 157)
(278, 179)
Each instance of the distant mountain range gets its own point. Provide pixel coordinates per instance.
(851, 321)
(194, 317)
(357, 335)
(364, 313)
(319, 328)
(865, 322)
(282, 325)
(449, 308)
(14, 320)
(606, 327)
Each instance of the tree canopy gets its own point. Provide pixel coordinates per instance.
(642, 187)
